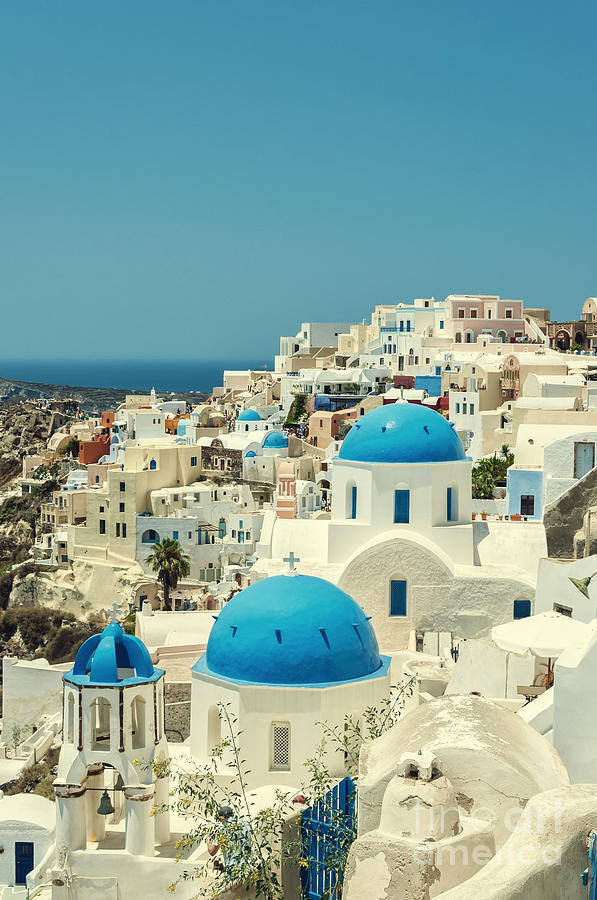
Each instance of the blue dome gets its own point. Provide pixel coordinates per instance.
(249, 415)
(250, 453)
(113, 657)
(276, 439)
(402, 433)
(291, 629)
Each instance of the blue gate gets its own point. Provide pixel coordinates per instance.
(590, 874)
(328, 828)
(23, 860)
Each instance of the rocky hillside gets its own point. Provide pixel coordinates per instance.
(92, 400)
(24, 429)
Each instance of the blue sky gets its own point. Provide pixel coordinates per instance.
(196, 178)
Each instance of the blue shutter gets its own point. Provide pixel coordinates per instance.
(449, 504)
(402, 506)
(398, 598)
(353, 510)
(522, 609)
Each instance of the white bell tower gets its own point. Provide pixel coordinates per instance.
(113, 730)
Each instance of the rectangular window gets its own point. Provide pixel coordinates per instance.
(118, 529)
(461, 313)
(353, 502)
(408, 324)
(472, 409)
(122, 507)
(124, 529)
(508, 313)
(193, 460)
(402, 506)
(489, 314)
(401, 326)
(464, 408)
(280, 747)
(397, 598)
(473, 313)
(527, 505)
(122, 486)
(233, 532)
(189, 535)
(457, 408)
(563, 610)
(522, 609)
(102, 526)
(451, 505)
(175, 535)
(441, 324)
(584, 458)
(101, 509)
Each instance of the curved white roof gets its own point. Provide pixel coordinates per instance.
(28, 808)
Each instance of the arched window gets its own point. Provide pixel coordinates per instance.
(69, 737)
(398, 596)
(153, 464)
(402, 505)
(280, 747)
(351, 500)
(150, 537)
(452, 503)
(469, 336)
(214, 729)
(100, 724)
(138, 723)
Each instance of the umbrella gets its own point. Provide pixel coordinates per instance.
(546, 634)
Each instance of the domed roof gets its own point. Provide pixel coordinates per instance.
(113, 657)
(250, 453)
(276, 439)
(402, 433)
(291, 630)
(249, 415)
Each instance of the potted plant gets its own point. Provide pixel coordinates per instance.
(474, 516)
(515, 517)
(484, 514)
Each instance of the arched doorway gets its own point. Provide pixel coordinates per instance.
(562, 340)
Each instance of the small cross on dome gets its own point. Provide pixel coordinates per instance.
(291, 559)
(115, 612)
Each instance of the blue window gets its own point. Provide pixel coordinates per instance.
(401, 506)
(408, 324)
(397, 598)
(193, 460)
(153, 464)
(457, 408)
(441, 323)
(199, 536)
(401, 326)
(175, 535)
(353, 502)
(221, 528)
(438, 370)
(522, 609)
(451, 504)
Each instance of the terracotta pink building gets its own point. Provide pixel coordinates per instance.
(473, 315)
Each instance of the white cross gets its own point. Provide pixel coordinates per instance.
(291, 560)
(115, 612)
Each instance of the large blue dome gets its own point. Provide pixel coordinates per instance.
(276, 439)
(112, 657)
(249, 415)
(402, 433)
(292, 630)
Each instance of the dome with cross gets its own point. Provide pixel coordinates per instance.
(292, 630)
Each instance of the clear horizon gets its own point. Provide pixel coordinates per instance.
(175, 179)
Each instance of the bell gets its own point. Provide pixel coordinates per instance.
(119, 786)
(105, 808)
(583, 584)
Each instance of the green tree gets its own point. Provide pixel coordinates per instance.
(170, 564)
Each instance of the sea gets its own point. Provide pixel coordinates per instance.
(136, 374)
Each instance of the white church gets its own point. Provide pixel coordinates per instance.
(400, 537)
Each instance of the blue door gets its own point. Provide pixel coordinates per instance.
(23, 860)
(401, 506)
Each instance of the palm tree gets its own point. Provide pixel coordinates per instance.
(170, 563)
(505, 451)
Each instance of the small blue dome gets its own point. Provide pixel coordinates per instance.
(112, 657)
(292, 630)
(250, 454)
(276, 439)
(249, 415)
(402, 433)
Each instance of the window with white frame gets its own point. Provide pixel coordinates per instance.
(280, 747)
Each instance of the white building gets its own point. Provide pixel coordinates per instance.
(286, 654)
